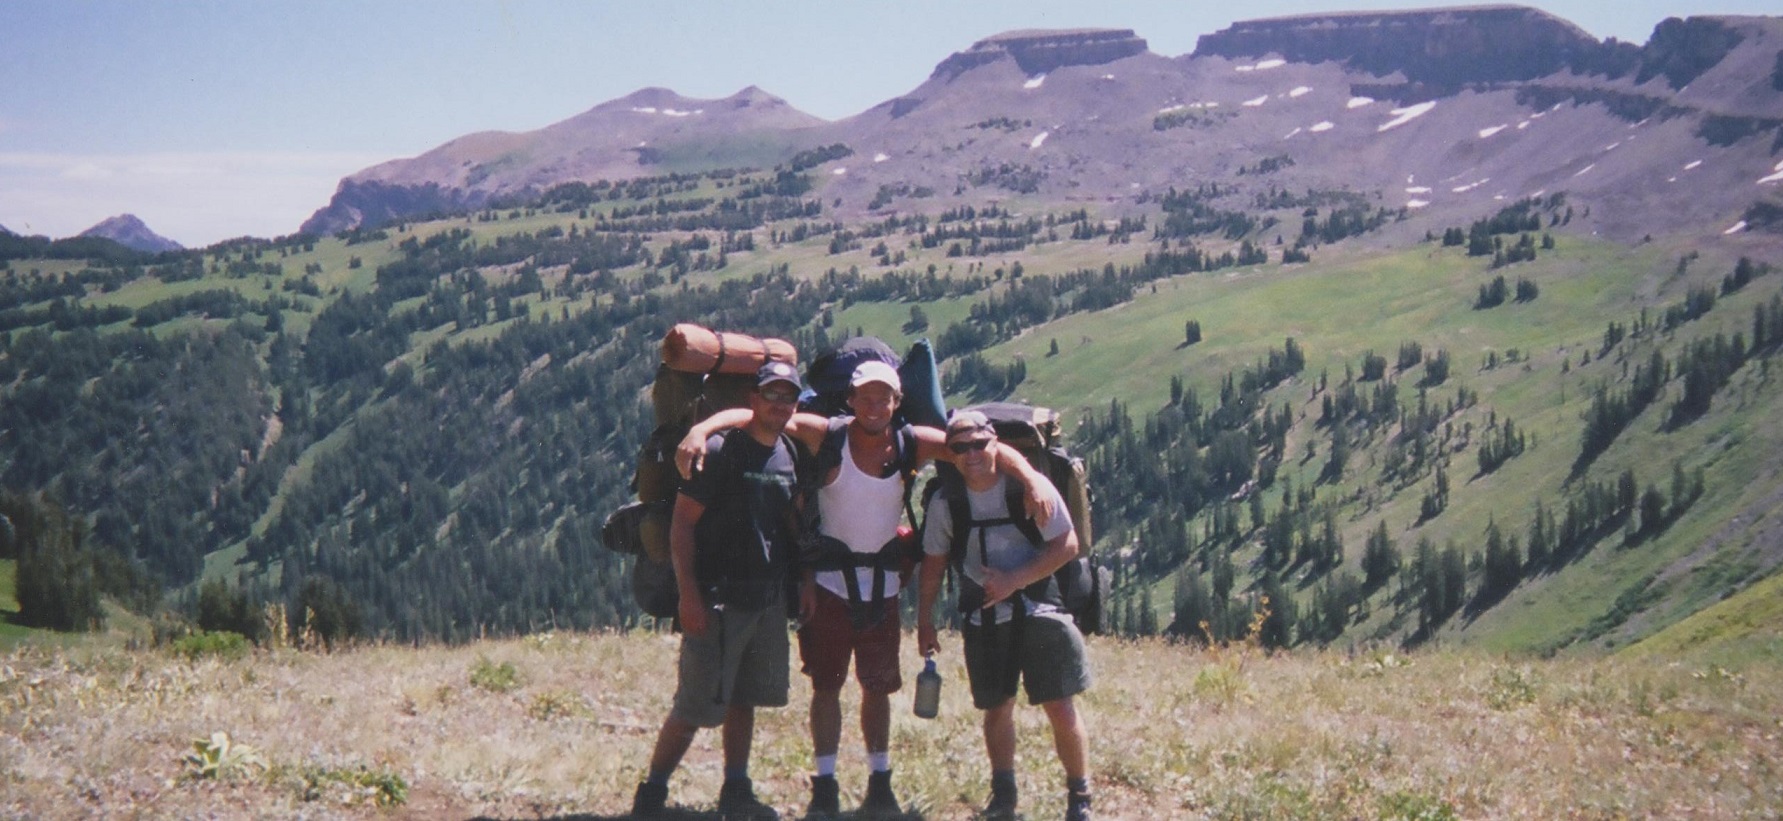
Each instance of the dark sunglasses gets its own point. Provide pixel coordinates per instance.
(781, 397)
(969, 446)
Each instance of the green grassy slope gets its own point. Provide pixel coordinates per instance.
(1337, 311)
(1537, 363)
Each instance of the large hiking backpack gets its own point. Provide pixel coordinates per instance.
(829, 373)
(1083, 585)
(681, 397)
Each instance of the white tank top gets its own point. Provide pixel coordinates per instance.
(863, 512)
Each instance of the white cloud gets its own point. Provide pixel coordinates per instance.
(194, 198)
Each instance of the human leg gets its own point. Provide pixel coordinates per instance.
(999, 736)
(826, 736)
(756, 654)
(1068, 737)
(736, 798)
(876, 730)
(672, 741)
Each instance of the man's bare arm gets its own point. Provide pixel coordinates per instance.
(690, 455)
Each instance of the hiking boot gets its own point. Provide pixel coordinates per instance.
(1001, 806)
(649, 800)
(737, 802)
(826, 801)
(1077, 807)
(880, 800)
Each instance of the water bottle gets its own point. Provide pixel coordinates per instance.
(928, 690)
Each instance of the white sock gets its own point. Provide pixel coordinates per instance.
(826, 765)
(879, 762)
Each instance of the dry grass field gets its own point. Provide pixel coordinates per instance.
(559, 725)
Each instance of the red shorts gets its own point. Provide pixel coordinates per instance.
(828, 640)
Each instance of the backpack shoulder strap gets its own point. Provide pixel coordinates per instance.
(959, 514)
(1016, 500)
(907, 461)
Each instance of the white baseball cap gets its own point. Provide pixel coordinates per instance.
(876, 371)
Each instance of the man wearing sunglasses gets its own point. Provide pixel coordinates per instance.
(733, 541)
(848, 608)
(1015, 627)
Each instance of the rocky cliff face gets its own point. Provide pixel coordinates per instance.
(1038, 52)
(1446, 48)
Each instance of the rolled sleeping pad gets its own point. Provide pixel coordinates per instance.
(923, 403)
(695, 349)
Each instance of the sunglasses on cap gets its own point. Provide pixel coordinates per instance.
(779, 396)
(969, 446)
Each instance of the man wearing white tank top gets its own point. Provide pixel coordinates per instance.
(861, 504)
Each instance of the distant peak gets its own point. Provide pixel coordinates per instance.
(130, 232)
(652, 96)
(1038, 51)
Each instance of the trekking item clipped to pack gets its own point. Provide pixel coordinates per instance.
(701, 373)
(923, 403)
(1083, 584)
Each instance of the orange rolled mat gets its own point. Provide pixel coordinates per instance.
(694, 349)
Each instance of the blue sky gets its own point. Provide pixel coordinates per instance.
(215, 119)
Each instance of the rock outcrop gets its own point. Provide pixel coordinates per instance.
(1038, 52)
(1444, 48)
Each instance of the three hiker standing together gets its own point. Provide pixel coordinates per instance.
(853, 560)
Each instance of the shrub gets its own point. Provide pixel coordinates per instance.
(218, 757)
(221, 644)
(496, 678)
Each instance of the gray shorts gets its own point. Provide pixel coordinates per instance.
(1050, 660)
(742, 659)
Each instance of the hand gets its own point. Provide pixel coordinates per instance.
(690, 455)
(927, 642)
(694, 615)
(998, 585)
(1038, 504)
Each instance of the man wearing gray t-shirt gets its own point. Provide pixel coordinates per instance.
(1015, 630)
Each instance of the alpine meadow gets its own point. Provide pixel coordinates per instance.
(1428, 389)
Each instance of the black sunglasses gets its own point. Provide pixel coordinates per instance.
(969, 446)
(783, 397)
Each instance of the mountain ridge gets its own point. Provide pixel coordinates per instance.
(1108, 121)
